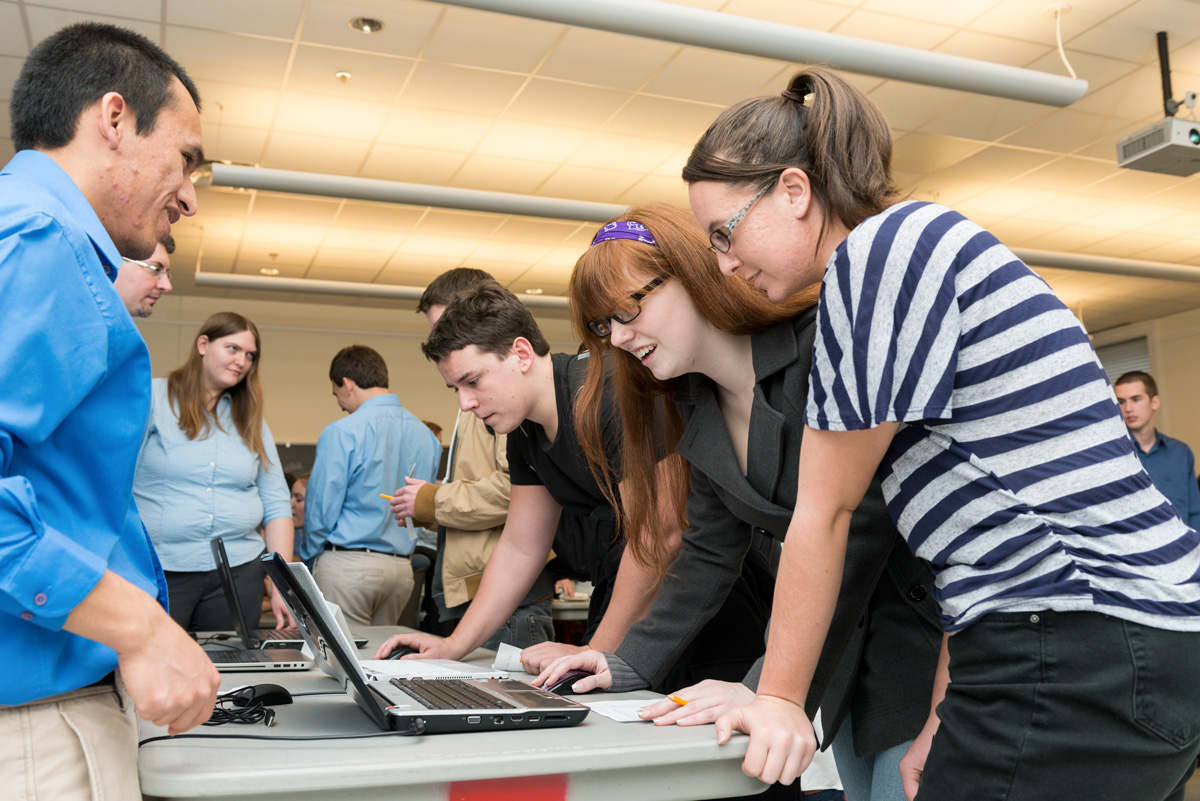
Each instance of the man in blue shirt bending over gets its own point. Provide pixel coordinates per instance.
(107, 129)
(363, 563)
(1169, 462)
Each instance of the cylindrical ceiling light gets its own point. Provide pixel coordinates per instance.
(654, 19)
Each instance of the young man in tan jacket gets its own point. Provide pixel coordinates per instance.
(470, 508)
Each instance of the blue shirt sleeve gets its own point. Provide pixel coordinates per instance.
(272, 486)
(44, 573)
(326, 489)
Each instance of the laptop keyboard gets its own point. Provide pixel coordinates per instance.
(451, 694)
(234, 657)
(277, 634)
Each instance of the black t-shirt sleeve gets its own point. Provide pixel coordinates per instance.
(520, 471)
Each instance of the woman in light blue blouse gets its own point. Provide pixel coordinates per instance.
(208, 468)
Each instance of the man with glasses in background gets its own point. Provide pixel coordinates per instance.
(140, 283)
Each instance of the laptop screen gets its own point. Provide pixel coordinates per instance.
(323, 635)
(231, 596)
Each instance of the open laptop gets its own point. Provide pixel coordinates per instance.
(431, 705)
(260, 638)
(251, 657)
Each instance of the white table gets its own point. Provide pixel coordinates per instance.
(599, 760)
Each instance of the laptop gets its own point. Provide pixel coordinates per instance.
(432, 704)
(249, 658)
(261, 638)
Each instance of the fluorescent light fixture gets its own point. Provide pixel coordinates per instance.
(654, 19)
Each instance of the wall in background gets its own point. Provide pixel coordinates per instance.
(298, 342)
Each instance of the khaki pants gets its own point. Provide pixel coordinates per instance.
(371, 588)
(78, 746)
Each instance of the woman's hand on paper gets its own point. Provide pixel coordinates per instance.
(706, 702)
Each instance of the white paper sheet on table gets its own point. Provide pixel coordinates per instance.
(620, 711)
(508, 657)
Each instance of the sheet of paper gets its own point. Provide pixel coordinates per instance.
(508, 657)
(620, 711)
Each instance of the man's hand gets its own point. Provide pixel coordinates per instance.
(404, 500)
(283, 615)
(427, 645)
(564, 588)
(581, 659)
(782, 741)
(536, 658)
(706, 702)
(172, 681)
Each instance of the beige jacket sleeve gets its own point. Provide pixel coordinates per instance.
(474, 504)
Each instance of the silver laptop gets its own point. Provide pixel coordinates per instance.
(250, 657)
(421, 705)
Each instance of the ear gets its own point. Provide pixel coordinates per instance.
(523, 350)
(349, 386)
(202, 344)
(1154, 403)
(115, 119)
(797, 190)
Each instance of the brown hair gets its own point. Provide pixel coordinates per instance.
(186, 392)
(823, 125)
(446, 285)
(361, 364)
(1139, 375)
(601, 283)
(487, 316)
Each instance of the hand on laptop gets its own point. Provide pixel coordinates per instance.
(283, 616)
(581, 659)
(428, 646)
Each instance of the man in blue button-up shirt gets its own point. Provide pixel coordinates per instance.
(1170, 463)
(108, 132)
(364, 555)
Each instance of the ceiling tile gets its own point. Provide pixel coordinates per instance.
(1064, 131)
(1004, 200)
(1069, 238)
(1137, 97)
(534, 229)
(1119, 36)
(10, 68)
(520, 139)
(448, 222)
(1067, 174)
(222, 201)
(961, 12)
(293, 256)
(406, 269)
(350, 260)
(460, 88)
(500, 174)
(236, 104)
(411, 164)
(629, 61)
(1071, 209)
(993, 49)
(337, 270)
(493, 41)
(374, 78)
(558, 103)
(985, 119)
(286, 269)
(233, 144)
(146, 10)
(1027, 19)
(915, 33)
(277, 18)
(294, 233)
(663, 118)
(923, 153)
(630, 153)
(386, 216)
(996, 164)
(12, 37)
(294, 208)
(588, 183)
(1125, 245)
(448, 247)
(294, 151)
(210, 55)
(439, 130)
(407, 25)
(340, 117)
(510, 252)
(909, 107)
(711, 76)
(658, 188)
(1134, 184)
(45, 21)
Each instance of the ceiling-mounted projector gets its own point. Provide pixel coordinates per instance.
(1169, 146)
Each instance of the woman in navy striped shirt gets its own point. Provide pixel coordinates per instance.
(1067, 585)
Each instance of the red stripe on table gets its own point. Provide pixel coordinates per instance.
(518, 788)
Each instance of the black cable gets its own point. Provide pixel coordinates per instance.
(416, 728)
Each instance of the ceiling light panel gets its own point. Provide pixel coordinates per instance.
(492, 41)
(409, 23)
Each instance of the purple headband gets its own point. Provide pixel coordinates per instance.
(625, 229)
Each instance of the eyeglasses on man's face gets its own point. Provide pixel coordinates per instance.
(603, 327)
(157, 270)
(721, 239)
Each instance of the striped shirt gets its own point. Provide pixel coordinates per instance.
(1012, 473)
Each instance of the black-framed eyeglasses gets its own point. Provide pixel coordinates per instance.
(157, 270)
(603, 327)
(721, 239)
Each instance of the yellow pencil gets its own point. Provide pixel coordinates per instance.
(678, 700)
(382, 495)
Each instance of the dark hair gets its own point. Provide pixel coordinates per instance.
(445, 286)
(1138, 375)
(827, 128)
(362, 365)
(603, 278)
(487, 316)
(186, 392)
(168, 242)
(75, 67)
(434, 427)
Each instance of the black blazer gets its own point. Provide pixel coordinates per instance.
(881, 653)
